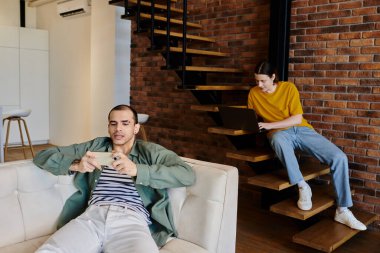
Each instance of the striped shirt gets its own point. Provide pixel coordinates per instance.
(118, 189)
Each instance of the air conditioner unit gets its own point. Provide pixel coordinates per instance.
(67, 8)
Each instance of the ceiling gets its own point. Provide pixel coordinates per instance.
(36, 3)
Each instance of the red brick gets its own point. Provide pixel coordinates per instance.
(328, 7)
(358, 105)
(337, 58)
(357, 120)
(354, 151)
(335, 104)
(360, 58)
(342, 13)
(306, 10)
(370, 66)
(327, 22)
(356, 136)
(350, 5)
(363, 175)
(368, 129)
(364, 11)
(372, 185)
(347, 81)
(351, 20)
(373, 153)
(344, 142)
(372, 200)
(350, 35)
(370, 50)
(338, 43)
(324, 96)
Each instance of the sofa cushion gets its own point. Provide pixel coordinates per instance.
(31, 201)
(28, 246)
(181, 246)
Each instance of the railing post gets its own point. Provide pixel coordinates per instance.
(152, 44)
(127, 12)
(184, 30)
(138, 18)
(168, 16)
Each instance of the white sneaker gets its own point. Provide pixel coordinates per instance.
(304, 202)
(347, 218)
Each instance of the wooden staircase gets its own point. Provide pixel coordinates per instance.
(171, 34)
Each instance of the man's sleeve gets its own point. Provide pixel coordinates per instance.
(57, 160)
(166, 170)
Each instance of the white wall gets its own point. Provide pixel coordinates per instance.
(86, 77)
(110, 57)
(10, 14)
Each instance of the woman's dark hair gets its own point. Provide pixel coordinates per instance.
(122, 108)
(265, 68)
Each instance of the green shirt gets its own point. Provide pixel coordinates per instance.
(157, 170)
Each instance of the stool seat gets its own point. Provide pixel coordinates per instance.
(17, 113)
(142, 118)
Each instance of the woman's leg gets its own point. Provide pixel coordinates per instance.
(325, 151)
(283, 144)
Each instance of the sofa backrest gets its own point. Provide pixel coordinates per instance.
(30, 201)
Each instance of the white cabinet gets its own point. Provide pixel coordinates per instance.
(24, 78)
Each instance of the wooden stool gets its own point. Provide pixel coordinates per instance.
(142, 118)
(17, 115)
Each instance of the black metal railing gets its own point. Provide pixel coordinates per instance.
(172, 61)
(184, 42)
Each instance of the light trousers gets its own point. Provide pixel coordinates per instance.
(305, 139)
(108, 229)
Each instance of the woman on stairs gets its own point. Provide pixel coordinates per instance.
(278, 103)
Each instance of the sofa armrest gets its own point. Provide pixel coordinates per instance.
(205, 213)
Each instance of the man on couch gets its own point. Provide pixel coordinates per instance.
(123, 207)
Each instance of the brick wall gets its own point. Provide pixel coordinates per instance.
(335, 63)
(241, 29)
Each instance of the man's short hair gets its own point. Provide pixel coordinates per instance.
(123, 107)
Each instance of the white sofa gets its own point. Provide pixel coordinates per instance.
(205, 213)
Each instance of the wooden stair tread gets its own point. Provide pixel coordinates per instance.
(222, 87)
(212, 108)
(146, 4)
(327, 235)
(188, 36)
(172, 20)
(323, 198)
(210, 69)
(205, 108)
(278, 179)
(199, 52)
(227, 131)
(252, 155)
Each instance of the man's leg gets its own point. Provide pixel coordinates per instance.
(81, 235)
(127, 231)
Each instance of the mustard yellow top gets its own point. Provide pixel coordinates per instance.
(279, 105)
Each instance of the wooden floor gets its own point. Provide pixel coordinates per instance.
(260, 231)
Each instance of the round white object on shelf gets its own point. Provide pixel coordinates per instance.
(17, 113)
(142, 118)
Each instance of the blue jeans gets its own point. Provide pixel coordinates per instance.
(305, 139)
